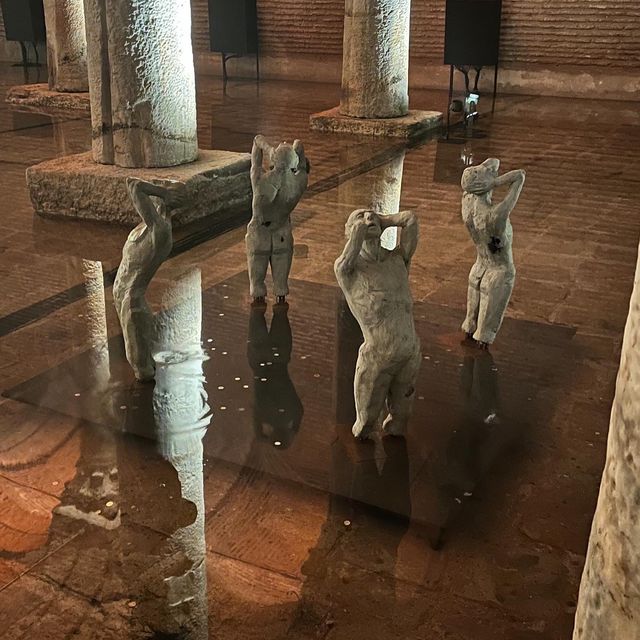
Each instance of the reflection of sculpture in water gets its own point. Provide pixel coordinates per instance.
(369, 514)
(147, 247)
(276, 193)
(277, 408)
(375, 282)
(493, 275)
(482, 435)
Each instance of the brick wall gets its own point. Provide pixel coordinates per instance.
(560, 47)
(556, 47)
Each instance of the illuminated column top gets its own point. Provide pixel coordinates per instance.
(375, 67)
(142, 82)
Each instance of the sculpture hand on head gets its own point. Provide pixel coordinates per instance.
(481, 178)
(284, 158)
(365, 219)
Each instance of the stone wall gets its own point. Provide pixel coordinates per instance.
(553, 47)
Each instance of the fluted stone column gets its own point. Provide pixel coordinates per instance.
(66, 45)
(142, 82)
(375, 67)
(609, 604)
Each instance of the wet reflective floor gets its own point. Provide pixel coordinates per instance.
(229, 500)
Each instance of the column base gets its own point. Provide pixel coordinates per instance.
(39, 97)
(414, 123)
(218, 184)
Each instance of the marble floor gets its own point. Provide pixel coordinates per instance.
(230, 501)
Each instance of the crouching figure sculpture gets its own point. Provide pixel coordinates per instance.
(146, 248)
(375, 282)
(493, 275)
(276, 192)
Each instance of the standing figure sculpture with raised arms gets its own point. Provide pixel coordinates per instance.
(493, 275)
(375, 282)
(146, 248)
(276, 192)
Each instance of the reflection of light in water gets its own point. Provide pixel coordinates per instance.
(182, 416)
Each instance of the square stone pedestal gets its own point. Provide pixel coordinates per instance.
(218, 184)
(414, 123)
(41, 98)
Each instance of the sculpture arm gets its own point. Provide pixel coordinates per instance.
(408, 222)
(141, 192)
(260, 147)
(304, 165)
(516, 180)
(346, 262)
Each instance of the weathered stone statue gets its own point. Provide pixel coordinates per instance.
(375, 282)
(147, 247)
(276, 192)
(493, 275)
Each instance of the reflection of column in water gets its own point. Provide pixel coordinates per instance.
(379, 189)
(278, 410)
(96, 315)
(182, 416)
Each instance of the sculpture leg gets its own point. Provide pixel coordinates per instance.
(402, 393)
(280, 269)
(138, 329)
(495, 293)
(371, 386)
(258, 264)
(258, 243)
(470, 323)
(282, 242)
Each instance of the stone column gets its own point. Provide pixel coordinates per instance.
(375, 66)
(378, 189)
(142, 82)
(609, 604)
(375, 75)
(66, 45)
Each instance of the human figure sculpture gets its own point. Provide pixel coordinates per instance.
(276, 192)
(146, 248)
(493, 275)
(375, 282)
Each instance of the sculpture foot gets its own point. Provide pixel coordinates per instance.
(362, 433)
(259, 301)
(468, 337)
(281, 299)
(145, 375)
(484, 346)
(393, 428)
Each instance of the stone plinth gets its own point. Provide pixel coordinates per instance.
(75, 186)
(414, 123)
(39, 97)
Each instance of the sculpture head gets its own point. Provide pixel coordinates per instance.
(285, 158)
(370, 219)
(481, 178)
